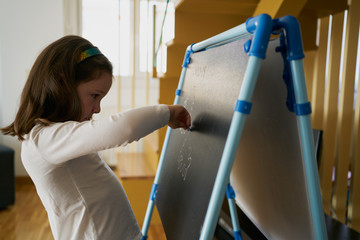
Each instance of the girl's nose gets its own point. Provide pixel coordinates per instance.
(97, 108)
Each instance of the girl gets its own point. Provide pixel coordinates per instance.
(82, 196)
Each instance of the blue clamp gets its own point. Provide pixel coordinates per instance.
(261, 27)
(243, 107)
(187, 58)
(153, 192)
(144, 237)
(178, 92)
(293, 36)
(230, 193)
(303, 109)
(237, 235)
(290, 98)
(247, 46)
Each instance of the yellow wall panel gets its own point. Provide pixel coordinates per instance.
(345, 114)
(354, 201)
(309, 62)
(330, 110)
(317, 97)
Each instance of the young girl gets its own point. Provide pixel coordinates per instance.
(81, 194)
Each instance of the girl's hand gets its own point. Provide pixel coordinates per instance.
(179, 117)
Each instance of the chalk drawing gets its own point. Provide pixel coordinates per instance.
(184, 157)
(189, 103)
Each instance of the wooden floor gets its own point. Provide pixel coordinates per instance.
(27, 218)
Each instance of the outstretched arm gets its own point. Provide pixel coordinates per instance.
(60, 142)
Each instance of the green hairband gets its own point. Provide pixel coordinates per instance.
(89, 53)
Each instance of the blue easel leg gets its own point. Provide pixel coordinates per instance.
(308, 151)
(231, 146)
(230, 194)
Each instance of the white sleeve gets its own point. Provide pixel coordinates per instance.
(61, 142)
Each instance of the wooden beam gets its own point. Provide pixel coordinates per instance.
(308, 25)
(317, 98)
(279, 8)
(309, 62)
(330, 110)
(354, 201)
(345, 114)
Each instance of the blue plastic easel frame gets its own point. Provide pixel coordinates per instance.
(261, 27)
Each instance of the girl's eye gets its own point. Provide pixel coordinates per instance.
(94, 96)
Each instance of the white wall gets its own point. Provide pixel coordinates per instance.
(26, 27)
(1, 87)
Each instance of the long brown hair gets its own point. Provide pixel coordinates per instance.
(49, 94)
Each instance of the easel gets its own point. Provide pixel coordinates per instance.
(260, 27)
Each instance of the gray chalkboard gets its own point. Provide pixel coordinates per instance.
(268, 174)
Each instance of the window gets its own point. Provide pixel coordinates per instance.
(128, 33)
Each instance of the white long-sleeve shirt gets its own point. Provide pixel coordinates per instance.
(81, 194)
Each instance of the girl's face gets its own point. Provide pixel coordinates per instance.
(91, 93)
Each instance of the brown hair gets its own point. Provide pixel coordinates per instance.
(49, 94)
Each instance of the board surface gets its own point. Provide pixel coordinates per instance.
(267, 176)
